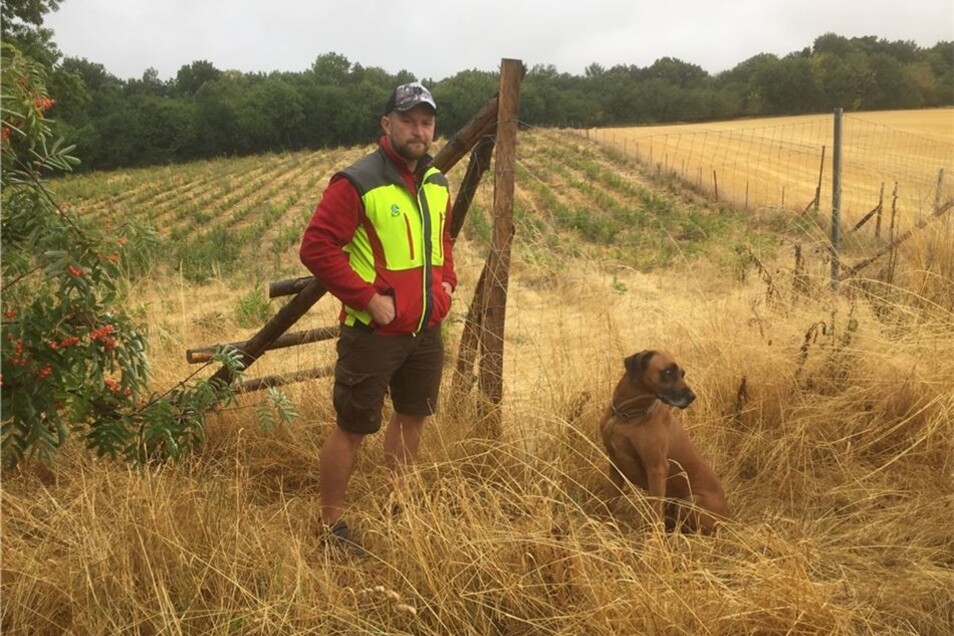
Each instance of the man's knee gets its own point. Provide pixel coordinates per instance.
(341, 437)
(408, 423)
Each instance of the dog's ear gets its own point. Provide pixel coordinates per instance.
(636, 363)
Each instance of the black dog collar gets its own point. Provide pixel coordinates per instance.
(632, 415)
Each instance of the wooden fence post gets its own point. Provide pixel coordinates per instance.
(469, 340)
(821, 172)
(942, 209)
(880, 211)
(498, 262)
(940, 189)
(480, 158)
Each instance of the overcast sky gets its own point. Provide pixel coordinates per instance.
(434, 40)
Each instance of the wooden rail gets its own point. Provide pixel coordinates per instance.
(205, 354)
(288, 287)
(270, 381)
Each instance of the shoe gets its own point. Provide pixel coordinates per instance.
(339, 535)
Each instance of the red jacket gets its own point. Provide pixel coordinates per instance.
(339, 214)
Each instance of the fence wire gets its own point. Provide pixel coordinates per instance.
(900, 159)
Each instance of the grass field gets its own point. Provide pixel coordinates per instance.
(829, 417)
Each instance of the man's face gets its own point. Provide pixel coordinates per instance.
(410, 133)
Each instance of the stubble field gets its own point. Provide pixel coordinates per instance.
(892, 157)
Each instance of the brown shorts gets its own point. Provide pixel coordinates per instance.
(369, 365)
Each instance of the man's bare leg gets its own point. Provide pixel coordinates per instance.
(401, 442)
(335, 464)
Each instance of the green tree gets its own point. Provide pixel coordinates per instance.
(160, 130)
(935, 74)
(678, 73)
(331, 68)
(216, 122)
(893, 84)
(831, 44)
(843, 80)
(21, 25)
(744, 81)
(72, 360)
(785, 86)
(270, 116)
(618, 96)
(191, 77)
(72, 96)
(104, 88)
(549, 97)
(320, 103)
(149, 84)
(459, 97)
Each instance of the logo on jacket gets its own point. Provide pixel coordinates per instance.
(395, 209)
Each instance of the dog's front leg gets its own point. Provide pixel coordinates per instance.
(653, 450)
(656, 481)
(618, 481)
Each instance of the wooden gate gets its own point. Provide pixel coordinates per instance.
(491, 133)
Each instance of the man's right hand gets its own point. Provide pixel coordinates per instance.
(382, 309)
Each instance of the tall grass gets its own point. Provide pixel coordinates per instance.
(829, 417)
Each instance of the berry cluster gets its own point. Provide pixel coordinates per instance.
(103, 335)
(19, 358)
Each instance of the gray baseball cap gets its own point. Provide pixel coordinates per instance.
(407, 96)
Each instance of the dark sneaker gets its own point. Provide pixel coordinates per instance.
(339, 535)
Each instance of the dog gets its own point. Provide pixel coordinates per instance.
(648, 446)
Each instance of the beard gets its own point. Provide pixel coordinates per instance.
(412, 151)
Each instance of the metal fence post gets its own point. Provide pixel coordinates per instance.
(836, 203)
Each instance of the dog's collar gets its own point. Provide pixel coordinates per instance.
(632, 415)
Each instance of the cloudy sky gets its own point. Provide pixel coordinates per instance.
(435, 40)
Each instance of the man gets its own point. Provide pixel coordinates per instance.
(379, 241)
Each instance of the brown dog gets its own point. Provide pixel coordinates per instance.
(648, 446)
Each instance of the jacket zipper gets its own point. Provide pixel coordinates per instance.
(426, 257)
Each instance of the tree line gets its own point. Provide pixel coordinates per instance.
(207, 112)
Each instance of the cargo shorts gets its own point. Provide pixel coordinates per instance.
(370, 366)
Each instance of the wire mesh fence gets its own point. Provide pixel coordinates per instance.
(897, 157)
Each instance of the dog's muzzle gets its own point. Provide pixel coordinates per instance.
(679, 399)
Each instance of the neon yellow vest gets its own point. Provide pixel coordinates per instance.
(404, 230)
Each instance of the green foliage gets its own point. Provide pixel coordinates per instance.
(204, 112)
(478, 226)
(142, 248)
(21, 25)
(276, 409)
(252, 309)
(191, 77)
(203, 256)
(166, 426)
(72, 360)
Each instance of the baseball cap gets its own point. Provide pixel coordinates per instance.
(407, 96)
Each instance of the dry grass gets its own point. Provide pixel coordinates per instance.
(830, 418)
